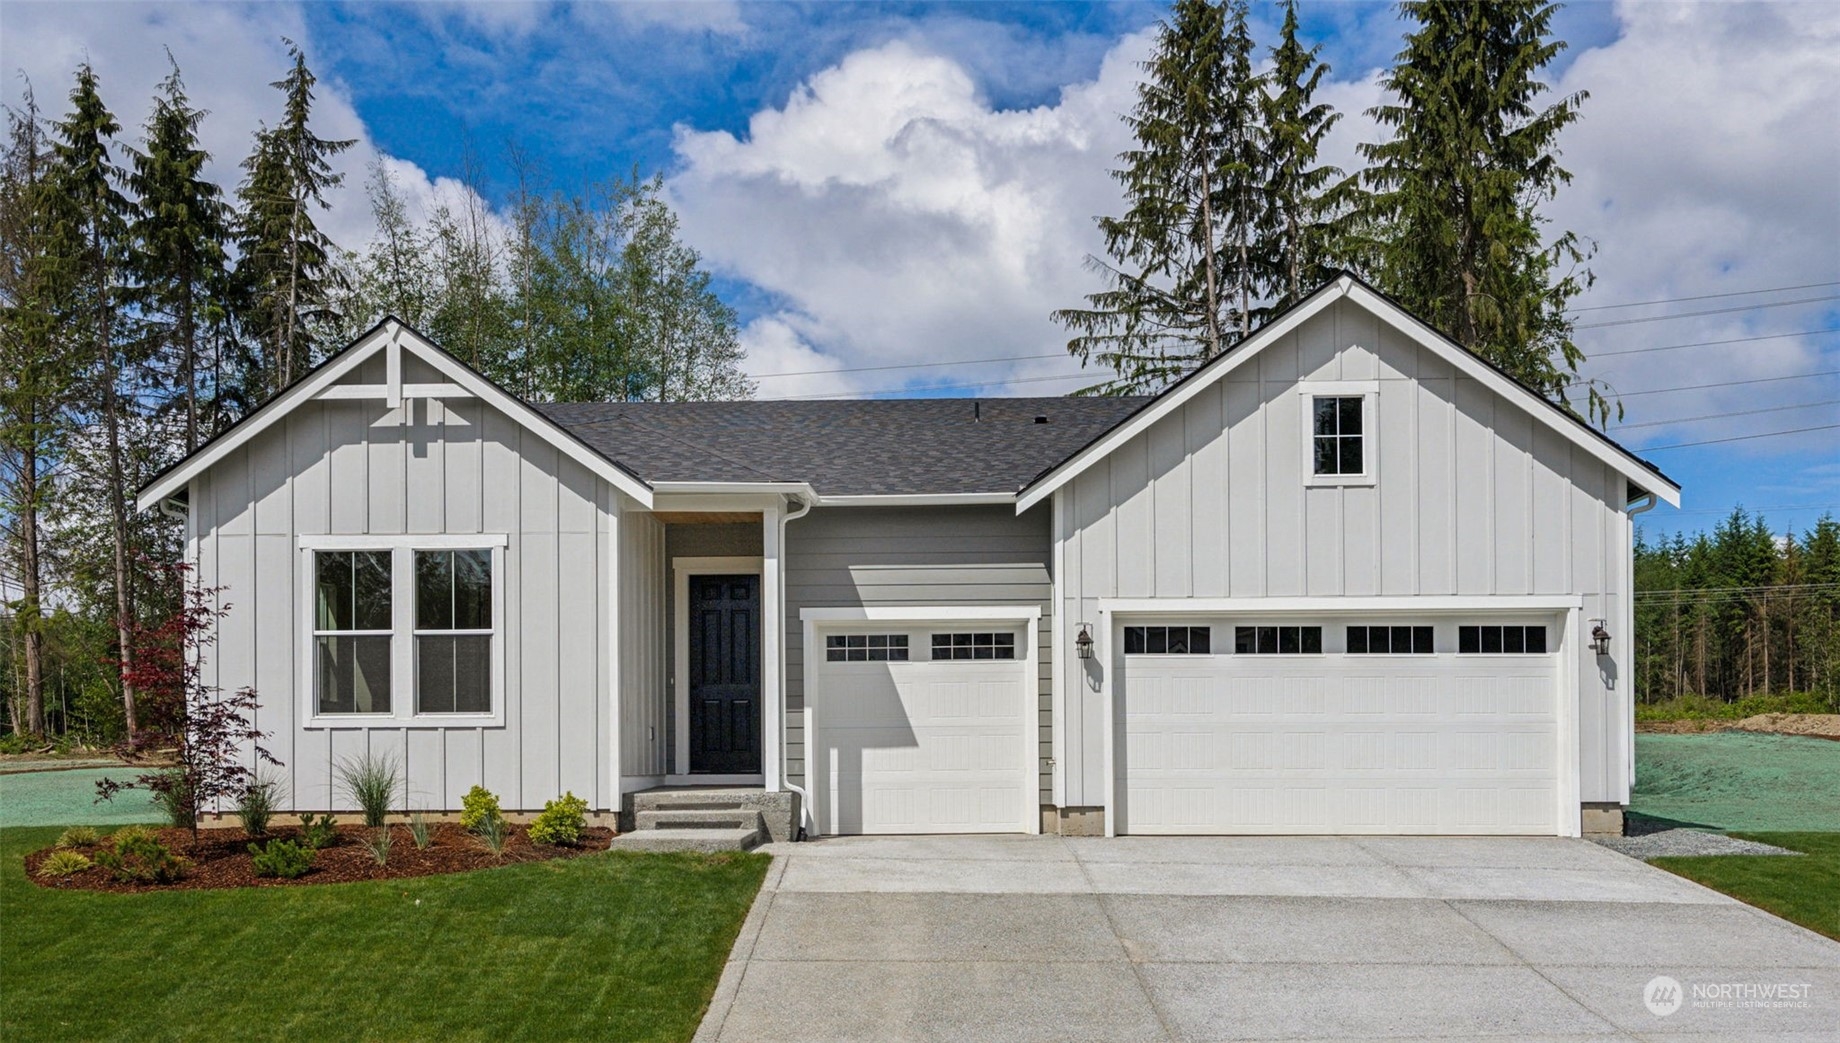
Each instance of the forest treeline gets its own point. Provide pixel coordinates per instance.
(144, 309)
(1739, 611)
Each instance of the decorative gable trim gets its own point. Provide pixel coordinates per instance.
(391, 337)
(1347, 286)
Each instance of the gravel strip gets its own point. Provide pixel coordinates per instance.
(1688, 842)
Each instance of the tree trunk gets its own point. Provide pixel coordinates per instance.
(31, 617)
(118, 507)
(1207, 254)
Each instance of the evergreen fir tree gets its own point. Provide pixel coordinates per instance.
(1307, 204)
(1457, 237)
(91, 236)
(179, 253)
(285, 274)
(1182, 270)
(35, 396)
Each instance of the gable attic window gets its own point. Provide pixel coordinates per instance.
(1338, 431)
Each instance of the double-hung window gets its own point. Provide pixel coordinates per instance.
(352, 631)
(404, 629)
(453, 631)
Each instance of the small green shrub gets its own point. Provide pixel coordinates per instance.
(378, 844)
(19, 742)
(140, 859)
(318, 832)
(62, 864)
(478, 805)
(282, 858)
(257, 805)
(492, 832)
(79, 836)
(562, 821)
(419, 831)
(371, 781)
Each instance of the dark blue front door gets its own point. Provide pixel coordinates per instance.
(725, 674)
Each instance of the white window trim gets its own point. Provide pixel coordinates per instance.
(1369, 392)
(402, 550)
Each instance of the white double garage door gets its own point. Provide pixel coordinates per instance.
(1314, 738)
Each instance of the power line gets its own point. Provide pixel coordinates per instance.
(1740, 438)
(1768, 507)
(1715, 343)
(1721, 416)
(1709, 311)
(1705, 297)
(1620, 322)
(1730, 383)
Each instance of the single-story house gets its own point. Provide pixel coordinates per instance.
(1344, 578)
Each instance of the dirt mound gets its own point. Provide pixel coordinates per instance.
(1820, 725)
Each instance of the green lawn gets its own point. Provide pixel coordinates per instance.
(1805, 890)
(608, 946)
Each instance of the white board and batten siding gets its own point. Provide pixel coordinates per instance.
(1472, 498)
(434, 466)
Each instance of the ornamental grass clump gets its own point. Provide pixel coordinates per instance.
(492, 832)
(378, 844)
(61, 864)
(371, 781)
(562, 821)
(419, 831)
(257, 805)
(79, 836)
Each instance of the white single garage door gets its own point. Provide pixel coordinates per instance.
(1443, 729)
(906, 735)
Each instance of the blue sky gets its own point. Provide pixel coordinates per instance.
(885, 185)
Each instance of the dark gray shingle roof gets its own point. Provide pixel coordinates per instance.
(845, 448)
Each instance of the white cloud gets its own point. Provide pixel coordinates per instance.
(722, 17)
(902, 219)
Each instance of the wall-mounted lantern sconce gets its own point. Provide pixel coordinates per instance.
(1600, 638)
(1084, 643)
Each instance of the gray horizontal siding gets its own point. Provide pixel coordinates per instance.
(855, 557)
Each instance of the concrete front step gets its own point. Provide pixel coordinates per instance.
(778, 811)
(697, 818)
(706, 840)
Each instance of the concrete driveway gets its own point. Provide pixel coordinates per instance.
(990, 939)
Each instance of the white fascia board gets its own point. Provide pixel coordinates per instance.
(1326, 606)
(389, 333)
(923, 614)
(916, 499)
(262, 419)
(1512, 390)
(1178, 396)
(763, 488)
(670, 502)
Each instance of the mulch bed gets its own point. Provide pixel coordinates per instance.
(221, 858)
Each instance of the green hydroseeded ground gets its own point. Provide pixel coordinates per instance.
(1739, 781)
(601, 947)
(68, 798)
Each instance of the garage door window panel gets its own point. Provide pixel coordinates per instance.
(1167, 640)
(1501, 639)
(1390, 640)
(975, 645)
(1277, 640)
(866, 648)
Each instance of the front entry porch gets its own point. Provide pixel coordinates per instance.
(706, 818)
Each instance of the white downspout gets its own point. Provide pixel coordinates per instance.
(785, 776)
(1645, 503)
